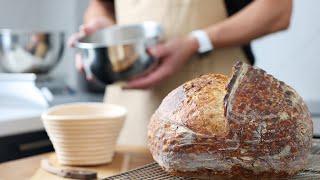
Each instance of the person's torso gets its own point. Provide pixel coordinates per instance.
(180, 17)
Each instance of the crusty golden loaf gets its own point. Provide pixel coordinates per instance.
(250, 124)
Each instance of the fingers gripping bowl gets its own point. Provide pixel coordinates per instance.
(249, 125)
(120, 52)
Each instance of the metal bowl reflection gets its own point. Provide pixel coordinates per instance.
(30, 51)
(120, 52)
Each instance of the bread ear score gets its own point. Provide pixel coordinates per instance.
(249, 125)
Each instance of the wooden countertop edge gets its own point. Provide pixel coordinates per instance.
(29, 166)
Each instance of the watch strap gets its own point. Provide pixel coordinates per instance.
(204, 41)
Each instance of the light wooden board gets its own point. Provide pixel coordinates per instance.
(126, 158)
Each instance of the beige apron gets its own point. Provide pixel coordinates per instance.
(178, 17)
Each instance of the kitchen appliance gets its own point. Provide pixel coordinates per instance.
(20, 91)
(21, 105)
(120, 52)
(30, 51)
(37, 52)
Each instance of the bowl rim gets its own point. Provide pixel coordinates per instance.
(146, 24)
(47, 116)
(17, 31)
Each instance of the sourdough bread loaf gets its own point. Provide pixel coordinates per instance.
(249, 125)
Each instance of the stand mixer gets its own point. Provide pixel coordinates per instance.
(26, 57)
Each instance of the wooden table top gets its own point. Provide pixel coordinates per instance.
(126, 158)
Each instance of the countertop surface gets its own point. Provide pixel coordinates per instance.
(21, 119)
(126, 158)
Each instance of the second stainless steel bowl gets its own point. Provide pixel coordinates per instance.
(24, 51)
(119, 52)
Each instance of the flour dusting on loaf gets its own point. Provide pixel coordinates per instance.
(248, 125)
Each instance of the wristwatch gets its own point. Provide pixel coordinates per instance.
(204, 41)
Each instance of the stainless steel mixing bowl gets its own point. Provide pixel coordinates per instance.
(120, 52)
(30, 51)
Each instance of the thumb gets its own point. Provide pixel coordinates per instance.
(93, 26)
(159, 51)
(88, 28)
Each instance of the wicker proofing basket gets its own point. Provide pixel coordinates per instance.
(84, 133)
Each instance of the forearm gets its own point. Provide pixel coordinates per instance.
(98, 9)
(259, 18)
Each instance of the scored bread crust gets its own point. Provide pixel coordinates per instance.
(257, 125)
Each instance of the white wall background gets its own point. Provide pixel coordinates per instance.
(292, 56)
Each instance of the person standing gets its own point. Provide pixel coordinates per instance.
(202, 36)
